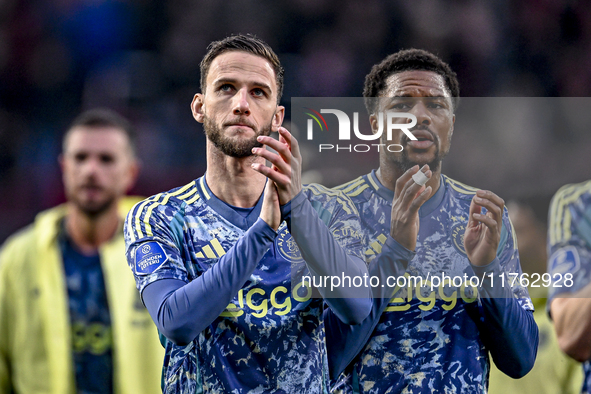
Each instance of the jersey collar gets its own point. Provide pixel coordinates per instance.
(225, 210)
(387, 194)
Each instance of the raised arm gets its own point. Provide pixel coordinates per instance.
(344, 342)
(324, 255)
(503, 313)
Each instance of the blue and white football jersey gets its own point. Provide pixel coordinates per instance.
(270, 338)
(425, 340)
(569, 247)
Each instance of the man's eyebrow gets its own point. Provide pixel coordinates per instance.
(259, 84)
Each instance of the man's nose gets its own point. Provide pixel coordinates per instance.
(420, 110)
(91, 166)
(241, 105)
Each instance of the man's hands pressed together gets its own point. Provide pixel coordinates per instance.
(286, 164)
(270, 211)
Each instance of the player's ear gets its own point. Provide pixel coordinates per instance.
(198, 107)
(61, 161)
(373, 121)
(132, 174)
(278, 118)
(453, 122)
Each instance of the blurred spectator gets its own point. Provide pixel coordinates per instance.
(70, 316)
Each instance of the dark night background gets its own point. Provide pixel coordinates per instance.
(141, 58)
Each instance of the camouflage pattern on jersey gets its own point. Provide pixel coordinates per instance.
(425, 340)
(569, 247)
(270, 338)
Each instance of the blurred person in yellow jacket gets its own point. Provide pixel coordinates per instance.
(70, 317)
(553, 372)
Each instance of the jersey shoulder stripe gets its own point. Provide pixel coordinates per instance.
(141, 214)
(183, 193)
(202, 188)
(358, 191)
(460, 187)
(338, 195)
(133, 217)
(347, 187)
(560, 215)
(373, 182)
(355, 188)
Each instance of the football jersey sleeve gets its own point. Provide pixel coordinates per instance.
(569, 267)
(153, 236)
(569, 241)
(181, 311)
(504, 313)
(326, 227)
(183, 305)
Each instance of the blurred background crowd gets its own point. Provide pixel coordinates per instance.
(141, 58)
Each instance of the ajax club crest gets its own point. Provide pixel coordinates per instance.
(457, 234)
(287, 247)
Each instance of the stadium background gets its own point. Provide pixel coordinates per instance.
(58, 57)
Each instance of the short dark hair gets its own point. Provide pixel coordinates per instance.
(408, 60)
(245, 43)
(102, 117)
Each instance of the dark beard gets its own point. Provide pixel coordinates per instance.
(237, 149)
(93, 210)
(403, 163)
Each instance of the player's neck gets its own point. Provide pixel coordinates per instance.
(389, 174)
(233, 180)
(89, 232)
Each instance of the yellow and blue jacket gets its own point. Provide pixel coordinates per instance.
(35, 334)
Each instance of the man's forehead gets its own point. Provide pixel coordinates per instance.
(240, 64)
(96, 137)
(416, 83)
